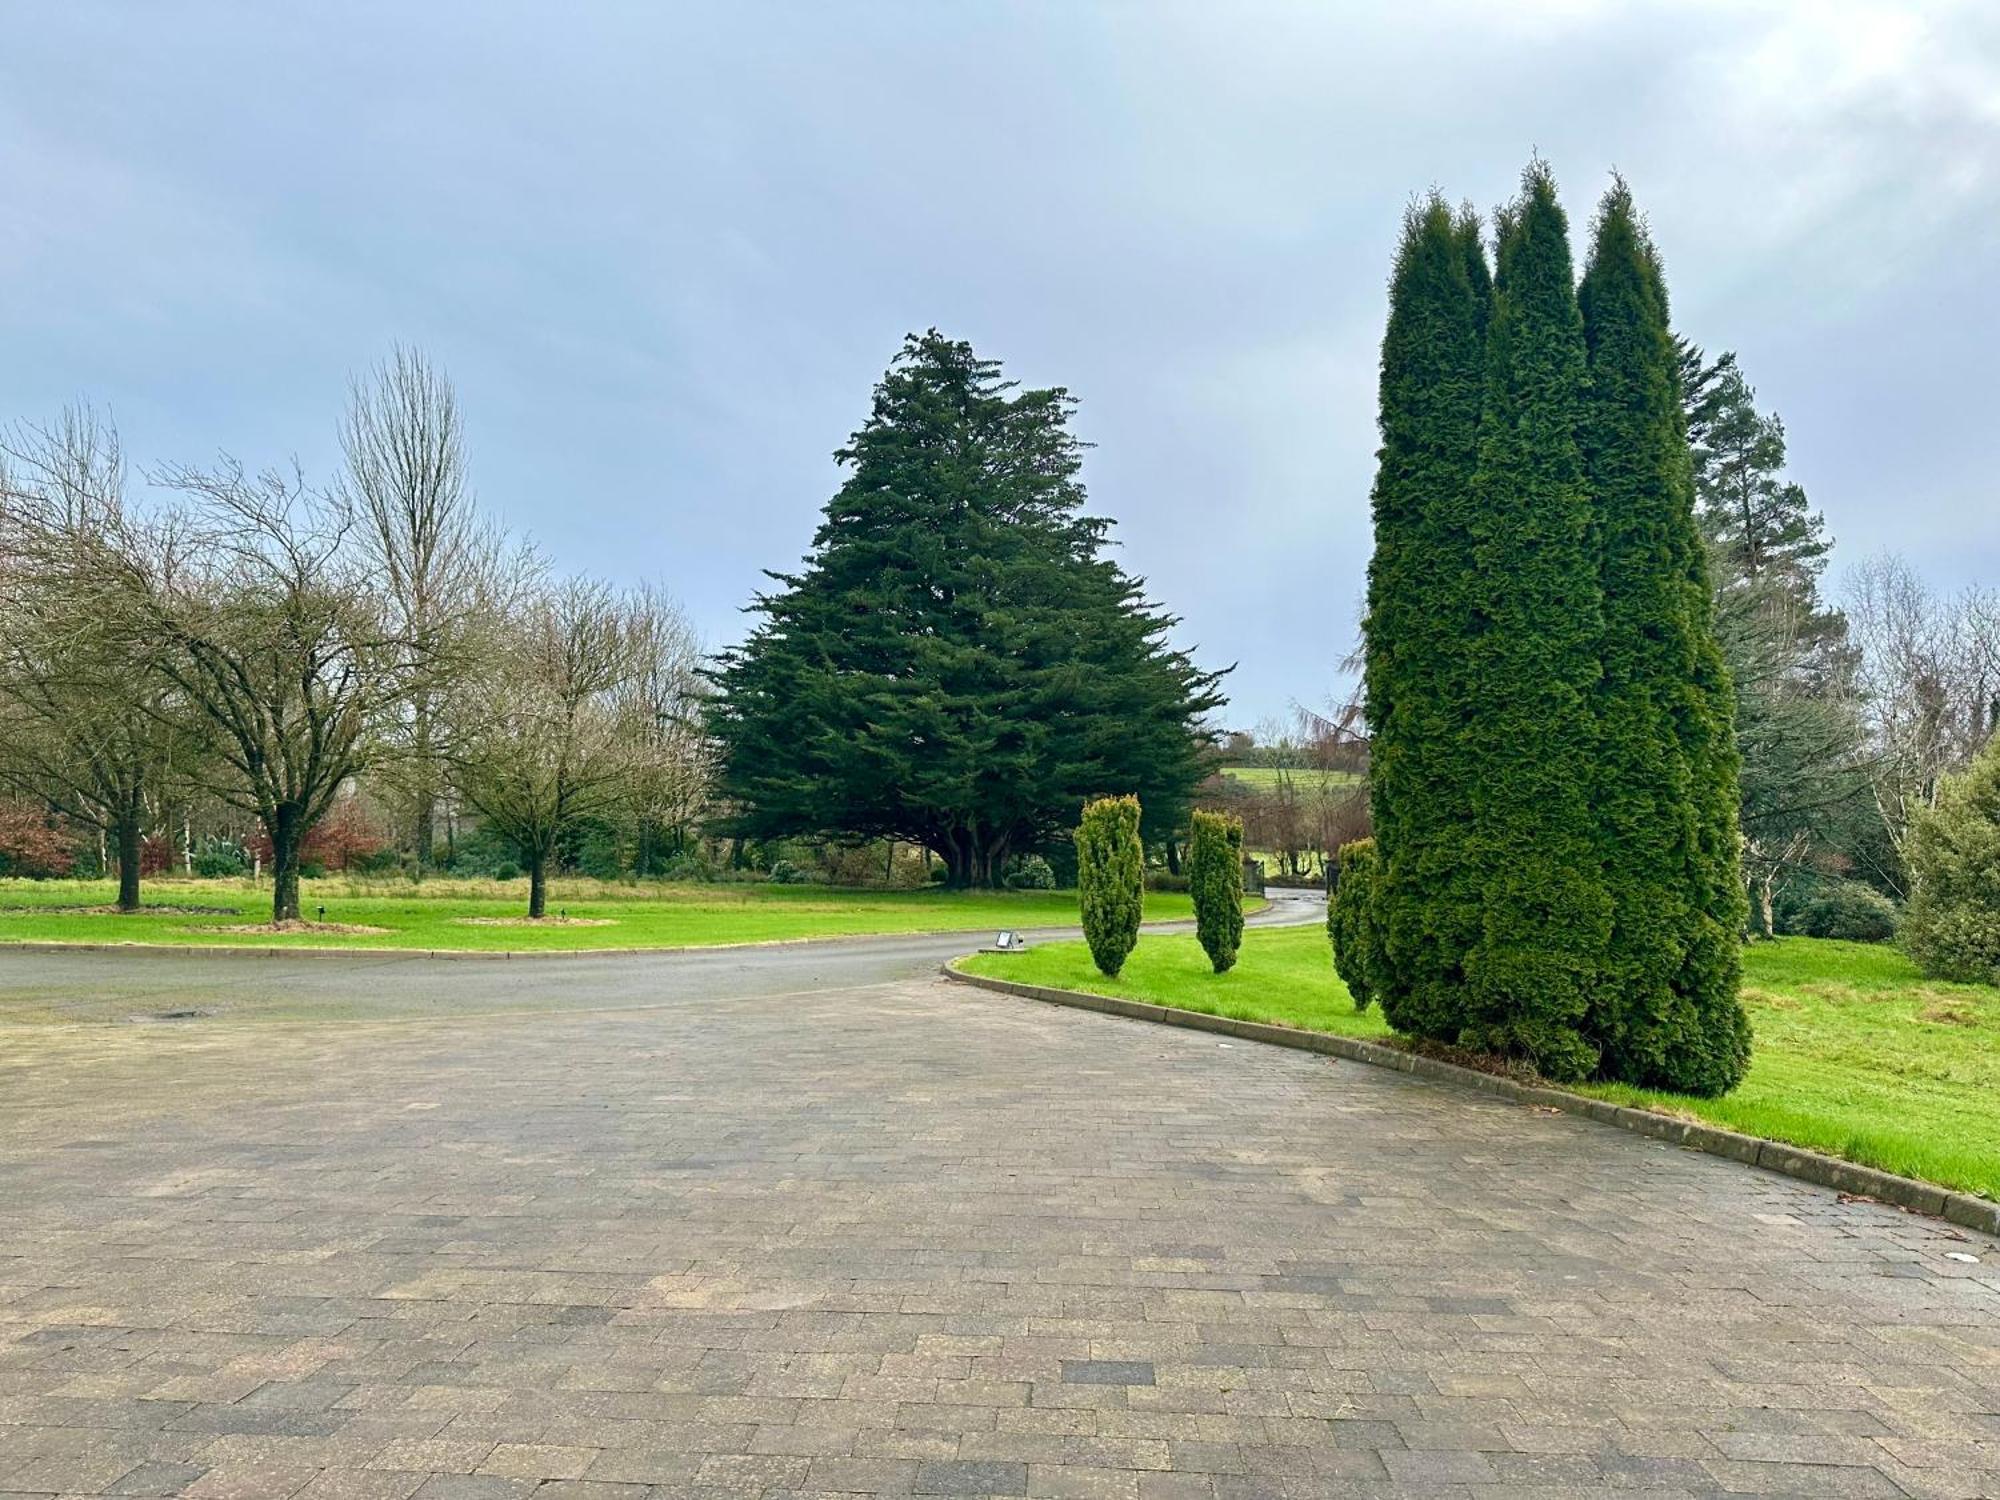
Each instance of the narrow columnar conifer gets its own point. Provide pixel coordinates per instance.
(1110, 879)
(1666, 1014)
(1526, 715)
(1353, 923)
(1215, 880)
(1426, 895)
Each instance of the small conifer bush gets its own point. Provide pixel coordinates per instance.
(1215, 879)
(1953, 926)
(1353, 922)
(1110, 879)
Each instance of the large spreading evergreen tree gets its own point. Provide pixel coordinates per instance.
(958, 665)
(1667, 1013)
(1529, 728)
(1427, 900)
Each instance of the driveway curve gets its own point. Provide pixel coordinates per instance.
(809, 1221)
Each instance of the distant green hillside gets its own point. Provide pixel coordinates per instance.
(1266, 777)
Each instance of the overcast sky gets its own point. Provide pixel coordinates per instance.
(664, 251)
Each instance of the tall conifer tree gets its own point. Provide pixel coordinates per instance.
(1667, 1015)
(1420, 610)
(1531, 663)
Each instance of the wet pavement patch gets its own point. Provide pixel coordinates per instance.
(1106, 1372)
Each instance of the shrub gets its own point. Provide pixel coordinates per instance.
(686, 866)
(507, 870)
(1845, 909)
(1110, 877)
(34, 844)
(1031, 873)
(219, 858)
(1953, 926)
(784, 872)
(1215, 876)
(1352, 924)
(1166, 880)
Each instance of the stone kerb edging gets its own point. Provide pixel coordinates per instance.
(1793, 1161)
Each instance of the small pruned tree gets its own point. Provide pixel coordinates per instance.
(1353, 922)
(1110, 879)
(1215, 879)
(538, 742)
(1952, 928)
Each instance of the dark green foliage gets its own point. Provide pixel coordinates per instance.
(1844, 909)
(1110, 879)
(1804, 767)
(217, 858)
(1665, 1012)
(1215, 878)
(1422, 612)
(1031, 872)
(1527, 711)
(1953, 925)
(957, 665)
(1353, 923)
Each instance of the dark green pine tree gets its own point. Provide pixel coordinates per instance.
(1531, 664)
(1421, 609)
(1668, 1015)
(957, 665)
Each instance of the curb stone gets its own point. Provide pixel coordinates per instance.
(1963, 1209)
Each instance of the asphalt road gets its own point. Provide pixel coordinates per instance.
(43, 985)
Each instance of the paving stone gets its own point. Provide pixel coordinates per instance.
(1106, 1372)
(910, 1238)
(972, 1477)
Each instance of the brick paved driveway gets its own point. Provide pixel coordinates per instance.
(903, 1237)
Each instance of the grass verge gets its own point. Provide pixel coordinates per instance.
(1857, 1054)
(471, 915)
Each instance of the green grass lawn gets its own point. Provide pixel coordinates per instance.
(1265, 777)
(1857, 1054)
(429, 915)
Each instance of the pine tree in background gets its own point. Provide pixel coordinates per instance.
(1667, 1015)
(959, 663)
(1426, 898)
(1531, 664)
(1215, 880)
(1110, 880)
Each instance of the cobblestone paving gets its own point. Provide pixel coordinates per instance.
(910, 1238)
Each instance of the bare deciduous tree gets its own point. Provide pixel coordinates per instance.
(442, 570)
(85, 727)
(256, 607)
(541, 736)
(660, 703)
(1929, 681)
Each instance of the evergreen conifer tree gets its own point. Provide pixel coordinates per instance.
(1666, 1014)
(1110, 880)
(1427, 897)
(1531, 664)
(958, 664)
(1215, 880)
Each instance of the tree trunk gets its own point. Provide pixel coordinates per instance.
(538, 884)
(287, 831)
(1173, 855)
(425, 831)
(128, 859)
